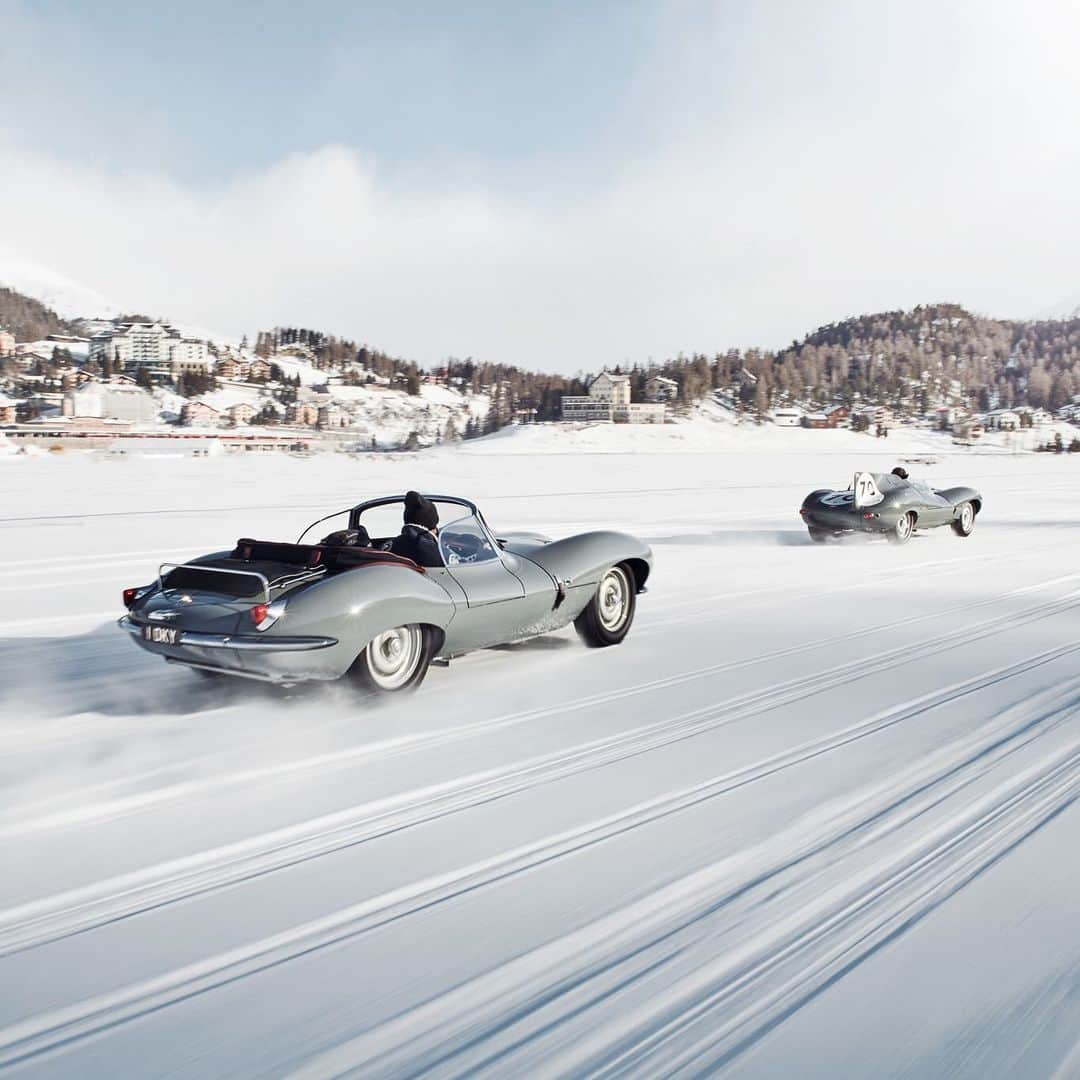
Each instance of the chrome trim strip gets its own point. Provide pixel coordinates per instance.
(213, 570)
(249, 644)
(240, 642)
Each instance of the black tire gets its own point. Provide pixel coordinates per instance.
(395, 661)
(965, 523)
(819, 536)
(905, 526)
(607, 617)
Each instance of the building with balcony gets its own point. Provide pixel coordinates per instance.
(302, 414)
(659, 388)
(332, 416)
(156, 346)
(199, 414)
(608, 400)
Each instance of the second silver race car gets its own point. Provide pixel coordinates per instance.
(349, 606)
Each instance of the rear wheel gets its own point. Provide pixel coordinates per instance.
(963, 525)
(607, 617)
(394, 661)
(819, 536)
(902, 530)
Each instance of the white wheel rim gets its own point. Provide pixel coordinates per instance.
(613, 600)
(393, 656)
(903, 526)
(967, 515)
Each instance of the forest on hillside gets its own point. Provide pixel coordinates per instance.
(908, 360)
(28, 319)
(905, 359)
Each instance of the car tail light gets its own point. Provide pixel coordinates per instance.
(131, 595)
(802, 509)
(869, 516)
(265, 615)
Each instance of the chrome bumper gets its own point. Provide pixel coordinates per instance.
(241, 642)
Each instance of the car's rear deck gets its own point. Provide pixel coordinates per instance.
(268, 567)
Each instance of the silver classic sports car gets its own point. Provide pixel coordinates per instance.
(891, 504)
(378, 601)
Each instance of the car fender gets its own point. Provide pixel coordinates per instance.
(580, 561)
(354, 607)
(959, 495)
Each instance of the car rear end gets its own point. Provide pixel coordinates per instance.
(227, 614)
(830, 511)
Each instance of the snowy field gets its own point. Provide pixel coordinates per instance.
(816, 817)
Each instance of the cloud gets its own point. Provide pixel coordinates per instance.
(812, 178)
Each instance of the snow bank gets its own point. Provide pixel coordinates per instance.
(701, 433)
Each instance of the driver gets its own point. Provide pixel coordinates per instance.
(901, 472)
(417, 538)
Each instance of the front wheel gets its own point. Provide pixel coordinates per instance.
(963, 525)
(902, 530)
(394, 661)
(607, 617)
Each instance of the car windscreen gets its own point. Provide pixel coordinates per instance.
(465, 542)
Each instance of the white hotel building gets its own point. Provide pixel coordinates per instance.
(156, 345)
(608, 400)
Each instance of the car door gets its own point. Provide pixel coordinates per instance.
(493, 592)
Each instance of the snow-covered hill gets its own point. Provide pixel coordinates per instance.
(68, 298)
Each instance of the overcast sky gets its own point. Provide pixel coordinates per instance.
(560, 185)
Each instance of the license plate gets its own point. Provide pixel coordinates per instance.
(161, 635)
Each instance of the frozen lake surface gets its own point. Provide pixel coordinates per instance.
(816, 816)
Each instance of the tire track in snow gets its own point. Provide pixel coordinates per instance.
(52, 918)
(1069, 1068)
(882, 905)
(622, 932)
(680, 727)
(951, 769)
(531, 498)
(532, 1013)
(668, 613)
(15, 740)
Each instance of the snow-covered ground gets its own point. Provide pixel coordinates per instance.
(815, 817)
